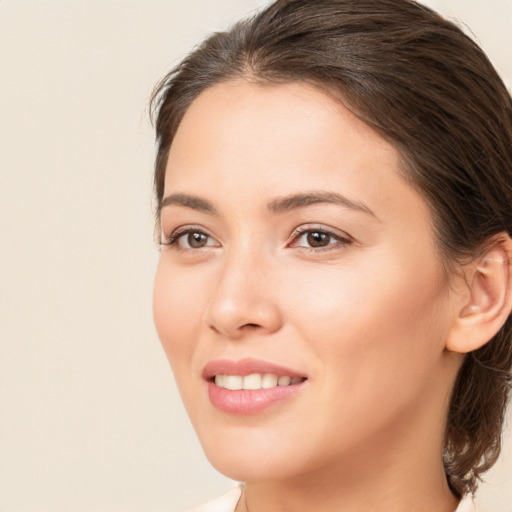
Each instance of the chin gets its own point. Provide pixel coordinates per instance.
(246, 461)
(247, 469)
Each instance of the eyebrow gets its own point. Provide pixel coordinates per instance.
(287, 203)
(277, 205)
(194, 202)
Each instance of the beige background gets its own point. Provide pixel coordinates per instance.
(89, 415)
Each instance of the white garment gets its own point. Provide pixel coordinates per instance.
(228, 502)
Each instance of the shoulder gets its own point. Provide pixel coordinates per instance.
(467, 505)
(224, 503)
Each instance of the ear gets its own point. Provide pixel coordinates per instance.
(486, 307)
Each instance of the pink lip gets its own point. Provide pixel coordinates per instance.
(246, 402)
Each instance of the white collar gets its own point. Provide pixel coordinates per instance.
(467, 504)
(225, 503)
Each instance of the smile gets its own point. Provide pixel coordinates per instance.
(249, 386)
(255, 381)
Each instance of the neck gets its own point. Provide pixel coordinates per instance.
(331, 496)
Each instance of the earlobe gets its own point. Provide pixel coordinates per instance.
(489, 302)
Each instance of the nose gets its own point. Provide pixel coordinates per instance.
(245, 298)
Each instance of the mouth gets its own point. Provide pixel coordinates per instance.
(255, 381)
(249, 386)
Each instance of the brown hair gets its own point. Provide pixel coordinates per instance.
(430, 90)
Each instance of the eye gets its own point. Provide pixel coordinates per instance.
(194, 240)
(189, 239)
(319, 239)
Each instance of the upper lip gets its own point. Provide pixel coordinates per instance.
(244, 367)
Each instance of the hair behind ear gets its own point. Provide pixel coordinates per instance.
(484, 332)
(477, 411)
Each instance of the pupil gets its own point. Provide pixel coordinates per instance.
(316, 239)
(196, 240)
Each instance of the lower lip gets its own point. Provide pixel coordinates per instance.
(245, 401)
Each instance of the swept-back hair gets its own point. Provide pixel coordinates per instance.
(426, 87)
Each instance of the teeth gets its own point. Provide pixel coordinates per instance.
(252, 381)
(284, 380)
(269, 381)
(255, 381)
(233, 382)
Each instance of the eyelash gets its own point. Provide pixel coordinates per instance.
(340, 239)
(172, 240)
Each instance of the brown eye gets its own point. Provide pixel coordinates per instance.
(190, 239)
(196, 240)
(318, 239)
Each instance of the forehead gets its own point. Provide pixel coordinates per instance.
(253, 132)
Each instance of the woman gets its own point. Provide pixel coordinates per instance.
(333, 181)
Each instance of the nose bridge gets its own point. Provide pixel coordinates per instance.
(243, 296)
(246, 261)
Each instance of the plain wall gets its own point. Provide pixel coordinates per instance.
(90, 419)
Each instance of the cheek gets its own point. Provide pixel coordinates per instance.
(178, 303)
(377, 346)
(370, 327)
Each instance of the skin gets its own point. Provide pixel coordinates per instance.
(366, 317)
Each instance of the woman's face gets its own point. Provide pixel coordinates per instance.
(295, 251)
